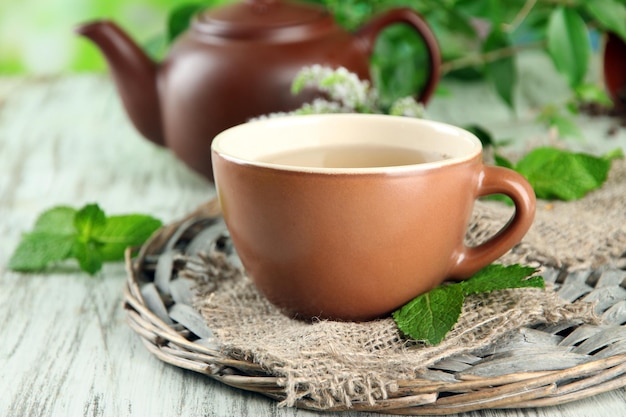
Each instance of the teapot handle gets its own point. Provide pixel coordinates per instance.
(370, 31)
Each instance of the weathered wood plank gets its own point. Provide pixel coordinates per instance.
(66, 349)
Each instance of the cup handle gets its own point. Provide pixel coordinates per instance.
(370, 31)
(498, 180)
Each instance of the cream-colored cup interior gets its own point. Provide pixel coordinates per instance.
(254, 142)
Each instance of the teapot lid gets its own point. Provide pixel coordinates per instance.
(261, 19)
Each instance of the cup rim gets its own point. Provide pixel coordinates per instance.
(218, 144)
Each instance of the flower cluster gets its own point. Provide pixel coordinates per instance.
(408, 107)
(346, 94)
(341, 85)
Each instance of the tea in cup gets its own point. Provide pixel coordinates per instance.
(350, 216)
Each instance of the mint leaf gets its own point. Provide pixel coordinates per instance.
(486, 139)
(501, 72)
(499, 277)
(554, 173)
(429, 317)
(592, 93)
(58, 220)
(502, 161)
(179, 18)
(38, 249)
(89, 221)
(50, 241)
(569, 44)
(88, 256)
(87, 235)
(121, 232)
(610, 13)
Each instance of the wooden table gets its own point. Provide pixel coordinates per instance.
(65, 348)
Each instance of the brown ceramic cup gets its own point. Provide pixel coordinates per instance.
(350, 216)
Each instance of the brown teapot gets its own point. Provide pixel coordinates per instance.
(234, 63)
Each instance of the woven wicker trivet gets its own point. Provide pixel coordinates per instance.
(554, 364)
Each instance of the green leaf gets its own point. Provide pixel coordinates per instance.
(399, 63)
(456, 20)
(443, 91)
(502, 72)
(554, 173)
(39, 249)
(50, 240)
(350, 14)
(88, 256)
(499, 277)
(89, 221)
(429, 317)
(611, 14)
(593, 93)
(87, 234)
(486, 139)
(58, 220)
(179, 19)
(477, 8)
(501, 161)
(569, 44)
(495, 11)
(121, 232)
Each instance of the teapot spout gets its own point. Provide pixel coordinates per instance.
(134, 74)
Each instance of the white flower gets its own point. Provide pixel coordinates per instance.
(320, 106)
(408, 107)
(347, 94)
(340, 84)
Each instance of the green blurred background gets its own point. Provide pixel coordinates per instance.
(37, 38)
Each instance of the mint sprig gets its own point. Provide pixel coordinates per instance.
(430, 316)
(554, 174)
(86, 234)
(563, 175)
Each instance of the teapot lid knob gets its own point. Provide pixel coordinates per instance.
(256, 19)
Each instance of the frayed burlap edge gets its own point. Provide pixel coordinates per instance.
(334, 363)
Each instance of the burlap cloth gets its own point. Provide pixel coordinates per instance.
(336, 363)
